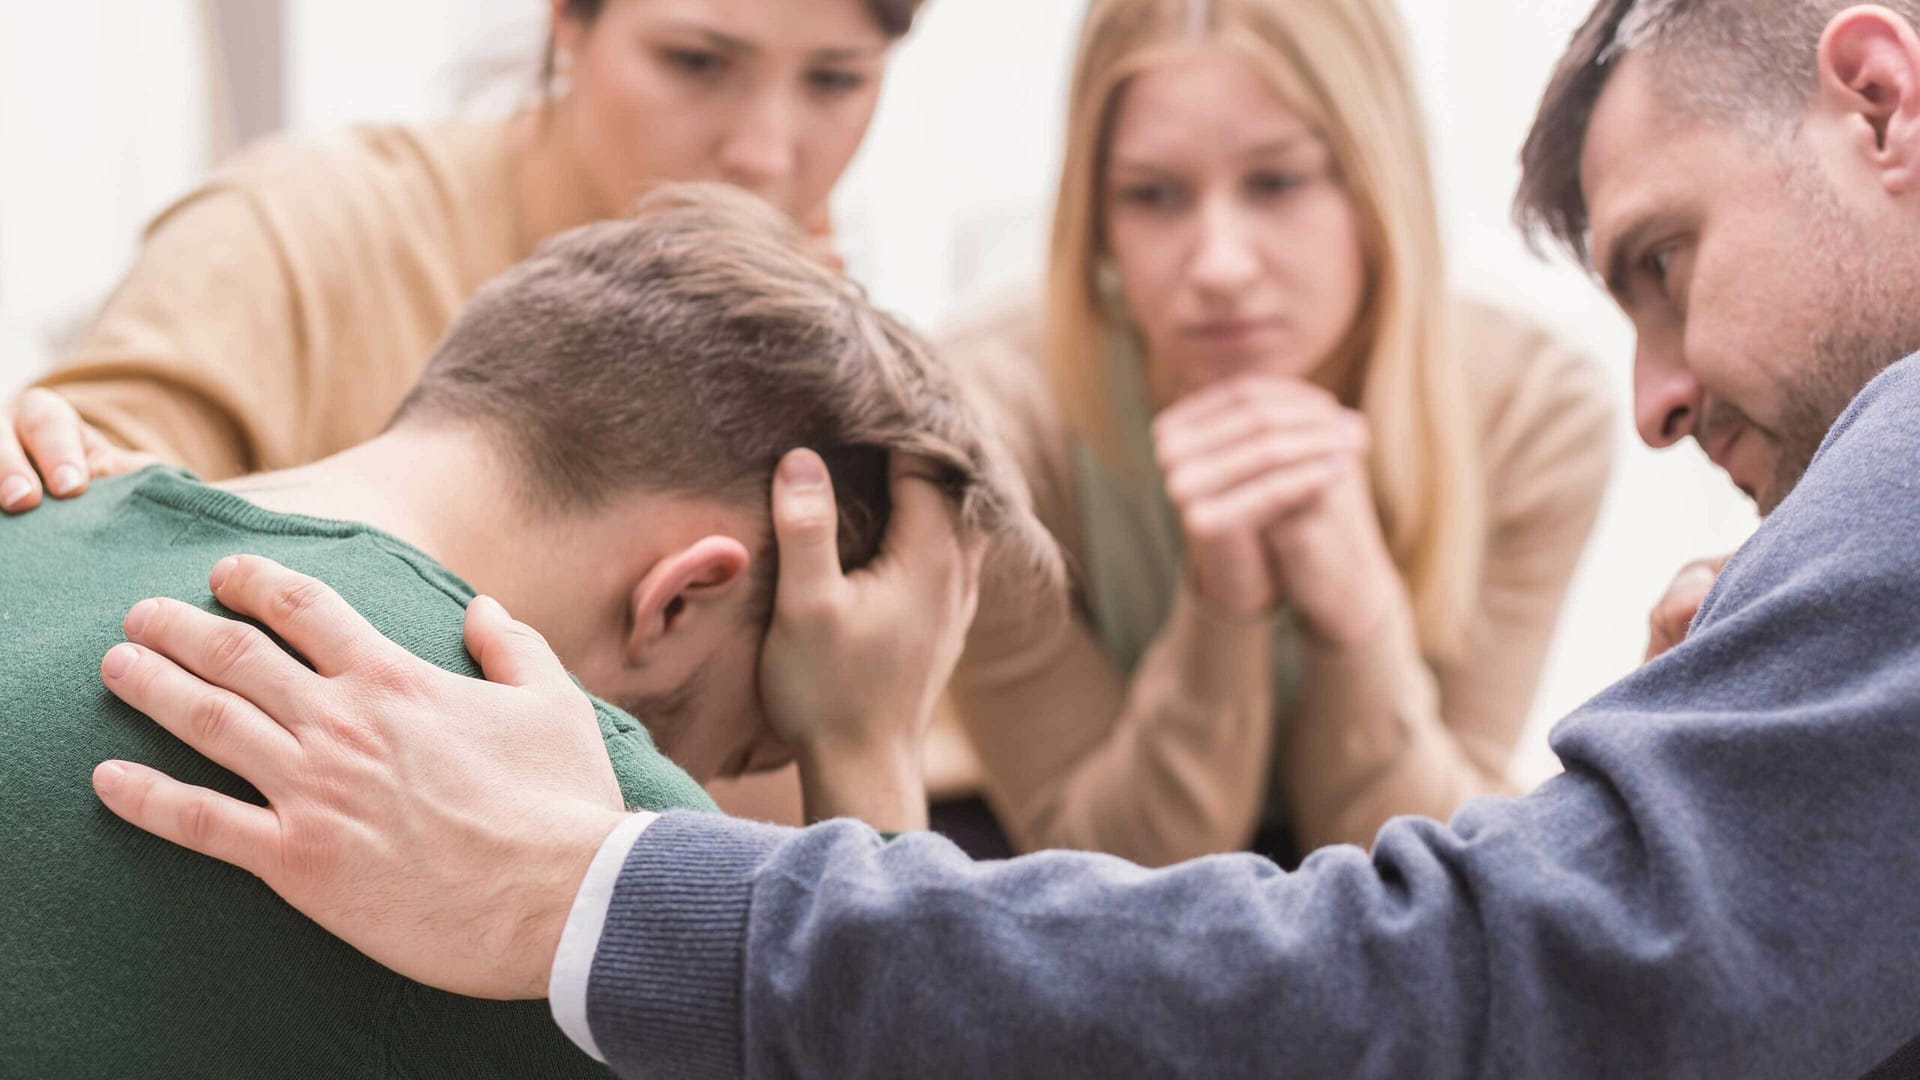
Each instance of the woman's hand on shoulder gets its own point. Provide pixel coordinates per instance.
(1241, 458)
(46, 447)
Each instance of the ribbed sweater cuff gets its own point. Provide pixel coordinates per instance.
(665, 997)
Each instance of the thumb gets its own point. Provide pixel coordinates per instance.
(806, 526)
(510, 652)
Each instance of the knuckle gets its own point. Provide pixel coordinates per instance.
(42, 412)
(394, 678)
(233, 646)
(812, 525)
(810, 611)
(211, 717)
(357, 733)
(516, 628)
(197, 823)
(1204, 527)
(296, 598)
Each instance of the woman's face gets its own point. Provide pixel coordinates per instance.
(1237, 246)
(770, 95)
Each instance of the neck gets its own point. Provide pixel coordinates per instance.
(446, 492)
(551, 191)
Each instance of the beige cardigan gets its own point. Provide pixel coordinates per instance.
(281, 311)
(1175, 762)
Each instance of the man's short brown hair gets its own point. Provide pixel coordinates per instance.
(686, 351)
(1747, 62)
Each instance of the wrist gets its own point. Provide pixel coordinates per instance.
(1220, 659)
(1219, 612)
(546, 891)
(879, 782)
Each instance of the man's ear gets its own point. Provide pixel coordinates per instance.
(686, 587)
(1869, 64)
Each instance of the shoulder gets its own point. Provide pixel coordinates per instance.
(1519, 373)
(1545, 410)
(649, 780)
(999, 354)
(393, 155)
(358, 184)
(1000, 350)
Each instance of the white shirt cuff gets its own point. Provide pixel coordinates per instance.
(573, 962)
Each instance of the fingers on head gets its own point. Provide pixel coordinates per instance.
(806, 529)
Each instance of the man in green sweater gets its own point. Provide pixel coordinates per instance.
(592, 444)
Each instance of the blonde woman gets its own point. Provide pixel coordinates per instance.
(1322, 513)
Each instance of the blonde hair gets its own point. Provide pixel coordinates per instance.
(1341, 66)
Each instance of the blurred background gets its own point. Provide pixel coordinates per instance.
(110, 108)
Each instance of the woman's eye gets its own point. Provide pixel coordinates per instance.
(695, 62)
(1150, 196)
(1274, 183)
(830, 81)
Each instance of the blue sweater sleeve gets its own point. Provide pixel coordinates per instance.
(1723, 883)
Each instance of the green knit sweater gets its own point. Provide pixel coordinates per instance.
(124, 956)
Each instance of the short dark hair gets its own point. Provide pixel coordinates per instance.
(894, 17)
(1748, 61)
(687, 350)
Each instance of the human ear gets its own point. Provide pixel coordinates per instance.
(684, 588)
(1869, 71)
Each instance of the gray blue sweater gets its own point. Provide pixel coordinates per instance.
(1725, 882)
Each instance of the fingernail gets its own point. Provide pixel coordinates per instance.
(14, 491)
(65, 479)
(120, 660)
(137, 618)
(221, 571)
(489, 605)
(804, 471)
(107, 777)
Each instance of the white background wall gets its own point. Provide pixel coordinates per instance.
(102, 119)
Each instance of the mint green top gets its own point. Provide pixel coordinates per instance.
(122, 955)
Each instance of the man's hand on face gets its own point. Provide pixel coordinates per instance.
(1673, 615)
(854, 664)
(439, 824)
(45, 446)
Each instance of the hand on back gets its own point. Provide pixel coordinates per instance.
(437, 823)
(46, 447)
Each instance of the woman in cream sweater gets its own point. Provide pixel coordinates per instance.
(281, 311)
(1321, 513)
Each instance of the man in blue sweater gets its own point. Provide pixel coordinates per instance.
(1721, 884)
